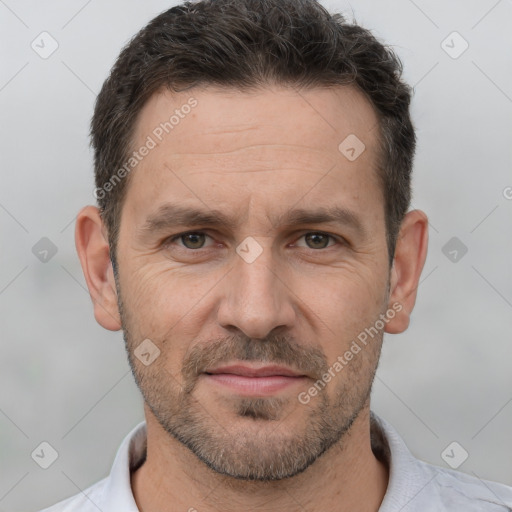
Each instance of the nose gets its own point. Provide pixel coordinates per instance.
(256, 297)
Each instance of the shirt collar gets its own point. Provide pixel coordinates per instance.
(407, 477)
(131, 454)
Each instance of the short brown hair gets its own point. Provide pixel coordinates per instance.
(247, 44)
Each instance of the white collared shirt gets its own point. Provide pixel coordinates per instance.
(413, 485)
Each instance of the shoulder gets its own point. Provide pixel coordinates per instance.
(416, 485)
(459, 491)
(87, 501)
(114, 492)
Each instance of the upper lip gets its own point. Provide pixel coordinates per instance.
(258, 371)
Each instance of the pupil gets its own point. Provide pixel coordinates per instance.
(315, 237)
(193, 237)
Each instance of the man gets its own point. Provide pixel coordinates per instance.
(253, 242)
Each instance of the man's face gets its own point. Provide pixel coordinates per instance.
(293, 294)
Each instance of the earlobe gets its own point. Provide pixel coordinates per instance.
(93, 251)
(408, 262)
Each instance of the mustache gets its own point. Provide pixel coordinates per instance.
(274, 349)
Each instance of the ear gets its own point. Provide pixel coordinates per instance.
(410, 255)
(93, 251)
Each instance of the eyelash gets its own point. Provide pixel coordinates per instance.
(339, 241)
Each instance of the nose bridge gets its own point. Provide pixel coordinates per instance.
(256, 300)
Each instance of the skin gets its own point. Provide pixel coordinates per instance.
(255, 156)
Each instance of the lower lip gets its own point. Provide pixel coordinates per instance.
(251, 386)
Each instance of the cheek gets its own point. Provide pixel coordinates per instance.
(342, 305)
(160, 300)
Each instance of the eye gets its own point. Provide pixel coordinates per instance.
(191, 240)
(317, 240)
(195, 240)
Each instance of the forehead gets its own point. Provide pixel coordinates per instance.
(325, 116)
(210, 143)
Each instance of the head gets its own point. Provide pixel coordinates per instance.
(253, 162)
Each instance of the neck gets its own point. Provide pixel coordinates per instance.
(346, 477)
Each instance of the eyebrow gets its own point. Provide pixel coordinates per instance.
(173, 215)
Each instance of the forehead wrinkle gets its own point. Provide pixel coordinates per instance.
(256, 158)
(268, 146)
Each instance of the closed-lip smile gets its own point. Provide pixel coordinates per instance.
(246, 380)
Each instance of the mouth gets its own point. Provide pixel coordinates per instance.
(254, 381)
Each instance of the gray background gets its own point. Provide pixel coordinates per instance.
(65, 380)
